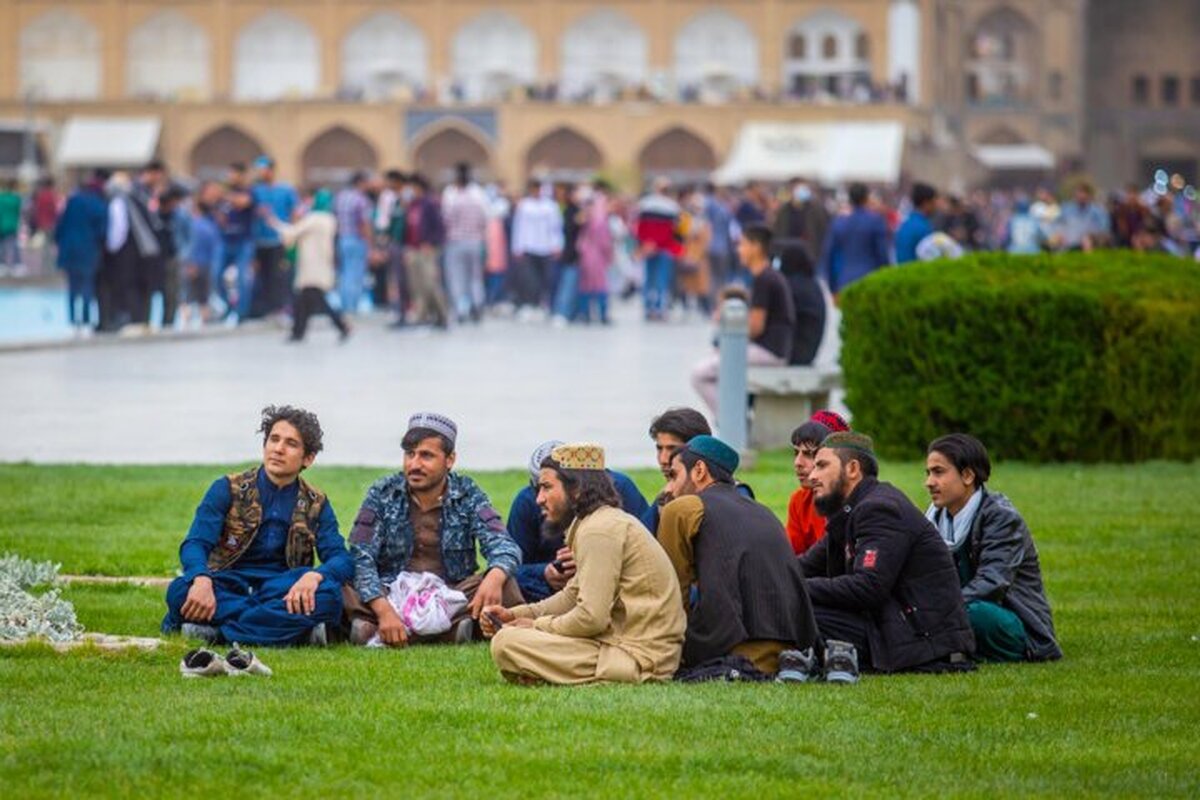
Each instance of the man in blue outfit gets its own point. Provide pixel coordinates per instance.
(918, 224)
(271, 287)
(248, 573)
(428, 519)
(857, 243)
(547, 563)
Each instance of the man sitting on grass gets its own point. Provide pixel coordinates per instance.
(248, 572)
(805, 526)
(619, 618)
(547, 564)
(881, 579)
(427, 519)
(749, 592)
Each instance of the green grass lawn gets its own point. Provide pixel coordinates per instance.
(1120, 715)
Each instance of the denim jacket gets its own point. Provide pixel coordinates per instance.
(382, 538)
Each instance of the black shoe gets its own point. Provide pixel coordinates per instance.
(798, 666)
(841, 662)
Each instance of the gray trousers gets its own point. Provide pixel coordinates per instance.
(464, 276)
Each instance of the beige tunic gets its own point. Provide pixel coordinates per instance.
(619, 618)
(313, 235)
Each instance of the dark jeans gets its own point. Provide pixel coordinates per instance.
(81, 287)
(270, 285)
(533, 280)
(842, 625)
(311, 300)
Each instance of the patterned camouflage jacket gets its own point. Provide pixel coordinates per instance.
(382, 538)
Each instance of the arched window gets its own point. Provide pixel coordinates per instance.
(798, 47)
(563, 154)
(603, 53)
(212, 155)
(829, 47)
(1004, 58)
(333, 156)
(678, 154)
(383, 56)
(436, 157)
(715, 54)
(169, 56)
(492, 54)
(862, 47)
(276, 56)
(60, 58)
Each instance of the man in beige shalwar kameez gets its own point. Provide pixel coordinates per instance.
(620, 618)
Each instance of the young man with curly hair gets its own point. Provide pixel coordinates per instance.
(248, 573)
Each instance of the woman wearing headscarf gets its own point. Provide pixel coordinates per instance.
(313, 236)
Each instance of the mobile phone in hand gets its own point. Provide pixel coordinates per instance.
(497, 623)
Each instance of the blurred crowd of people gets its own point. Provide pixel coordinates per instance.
(251, 246)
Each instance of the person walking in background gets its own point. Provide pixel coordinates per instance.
(857, 243)
(802, 220)
(132, 246)
(79, 237)
(43, 218)
(465, 214)
(566, 284)
(658, 238)
(694, 278)
(537, 240)
(203, 259)
(391, 222)
(425, 233)
(313, 237)
(496, 245)
(918, 224)
(270, 288)
(720, 242)
(237, 225)
(595, 256)
(353, 212)
(10, 227)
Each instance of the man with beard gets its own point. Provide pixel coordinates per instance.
(882, 579)
(619, 618)
(547, 563)
(745, 590)
(427, 519)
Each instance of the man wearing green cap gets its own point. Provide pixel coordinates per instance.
(882, 579)
(313, 236)
(750, 599)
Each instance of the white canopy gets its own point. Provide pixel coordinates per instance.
(1014, 156)
(830, 152)
(108, 141)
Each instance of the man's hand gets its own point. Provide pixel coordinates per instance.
(391, 629)
(302, 597)
(201, 603)
(557, 578)
(501, 613)
(490, 590)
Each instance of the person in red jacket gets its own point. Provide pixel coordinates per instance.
(660, 245)
(805, 526)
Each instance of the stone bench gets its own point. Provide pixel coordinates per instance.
(784, 397)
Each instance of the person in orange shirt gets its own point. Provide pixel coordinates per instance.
(805, 526)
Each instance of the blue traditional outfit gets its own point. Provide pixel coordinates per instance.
(255, 540)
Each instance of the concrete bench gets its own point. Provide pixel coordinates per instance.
(784, 397)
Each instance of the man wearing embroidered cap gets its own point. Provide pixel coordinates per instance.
(750, 599)
(427, 519)
(882, 579)
(547, 563)
(619, 618)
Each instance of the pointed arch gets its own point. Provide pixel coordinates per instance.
(60, 58)
(564, 153)
(335, 154)
(1001, 134)
(383, 56)
(492, 54)
(439, 148)
(213, 153)
(276, 56)
(679, 153)
(169, 56)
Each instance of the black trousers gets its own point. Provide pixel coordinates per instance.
(271, 281)
(842, 625)
(311, 300)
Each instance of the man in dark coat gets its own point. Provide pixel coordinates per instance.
(749, 597)
(882, 578)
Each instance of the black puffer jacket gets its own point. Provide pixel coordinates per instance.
(880, 556)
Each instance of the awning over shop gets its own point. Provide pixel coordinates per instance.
(108, 141)
(1014, 156)
(830, 153)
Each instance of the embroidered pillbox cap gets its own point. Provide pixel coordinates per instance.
(715, 452)
(435, 422)
(850, 440)
(582, 455)
(832, 420)
(539, 455)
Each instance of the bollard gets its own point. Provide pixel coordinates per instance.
(731, 377)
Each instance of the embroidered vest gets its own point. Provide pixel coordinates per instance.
(245, 518)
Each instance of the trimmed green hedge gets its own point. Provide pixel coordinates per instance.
(1072, 357)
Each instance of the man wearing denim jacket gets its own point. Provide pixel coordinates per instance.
(427, 519)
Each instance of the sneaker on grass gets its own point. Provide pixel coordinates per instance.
(841, 662)
(244, 662)
(202, 663)
(798, 666)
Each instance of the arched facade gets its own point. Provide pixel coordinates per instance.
(493, 54)
(435, 155)
(336, 154)
(276, 56)
(60, 58)
(563, 154)
(602, 54)
(385, 57)
(715, 55)
(216, 150)
(1002, 60)
(827, 54)
(169, 56)
(679, 154)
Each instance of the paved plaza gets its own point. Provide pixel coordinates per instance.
(508, 385)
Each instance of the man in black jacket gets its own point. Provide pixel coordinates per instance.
(882, 578)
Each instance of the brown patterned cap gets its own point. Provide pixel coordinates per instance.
(582, 455)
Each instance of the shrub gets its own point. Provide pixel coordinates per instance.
(1089, 357)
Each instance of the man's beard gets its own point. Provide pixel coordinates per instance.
(552, 530)
(832, 502)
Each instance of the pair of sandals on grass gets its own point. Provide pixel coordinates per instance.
(204, 663)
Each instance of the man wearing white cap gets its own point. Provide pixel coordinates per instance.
(619, 618)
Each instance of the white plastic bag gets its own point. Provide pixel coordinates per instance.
(425, 603)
